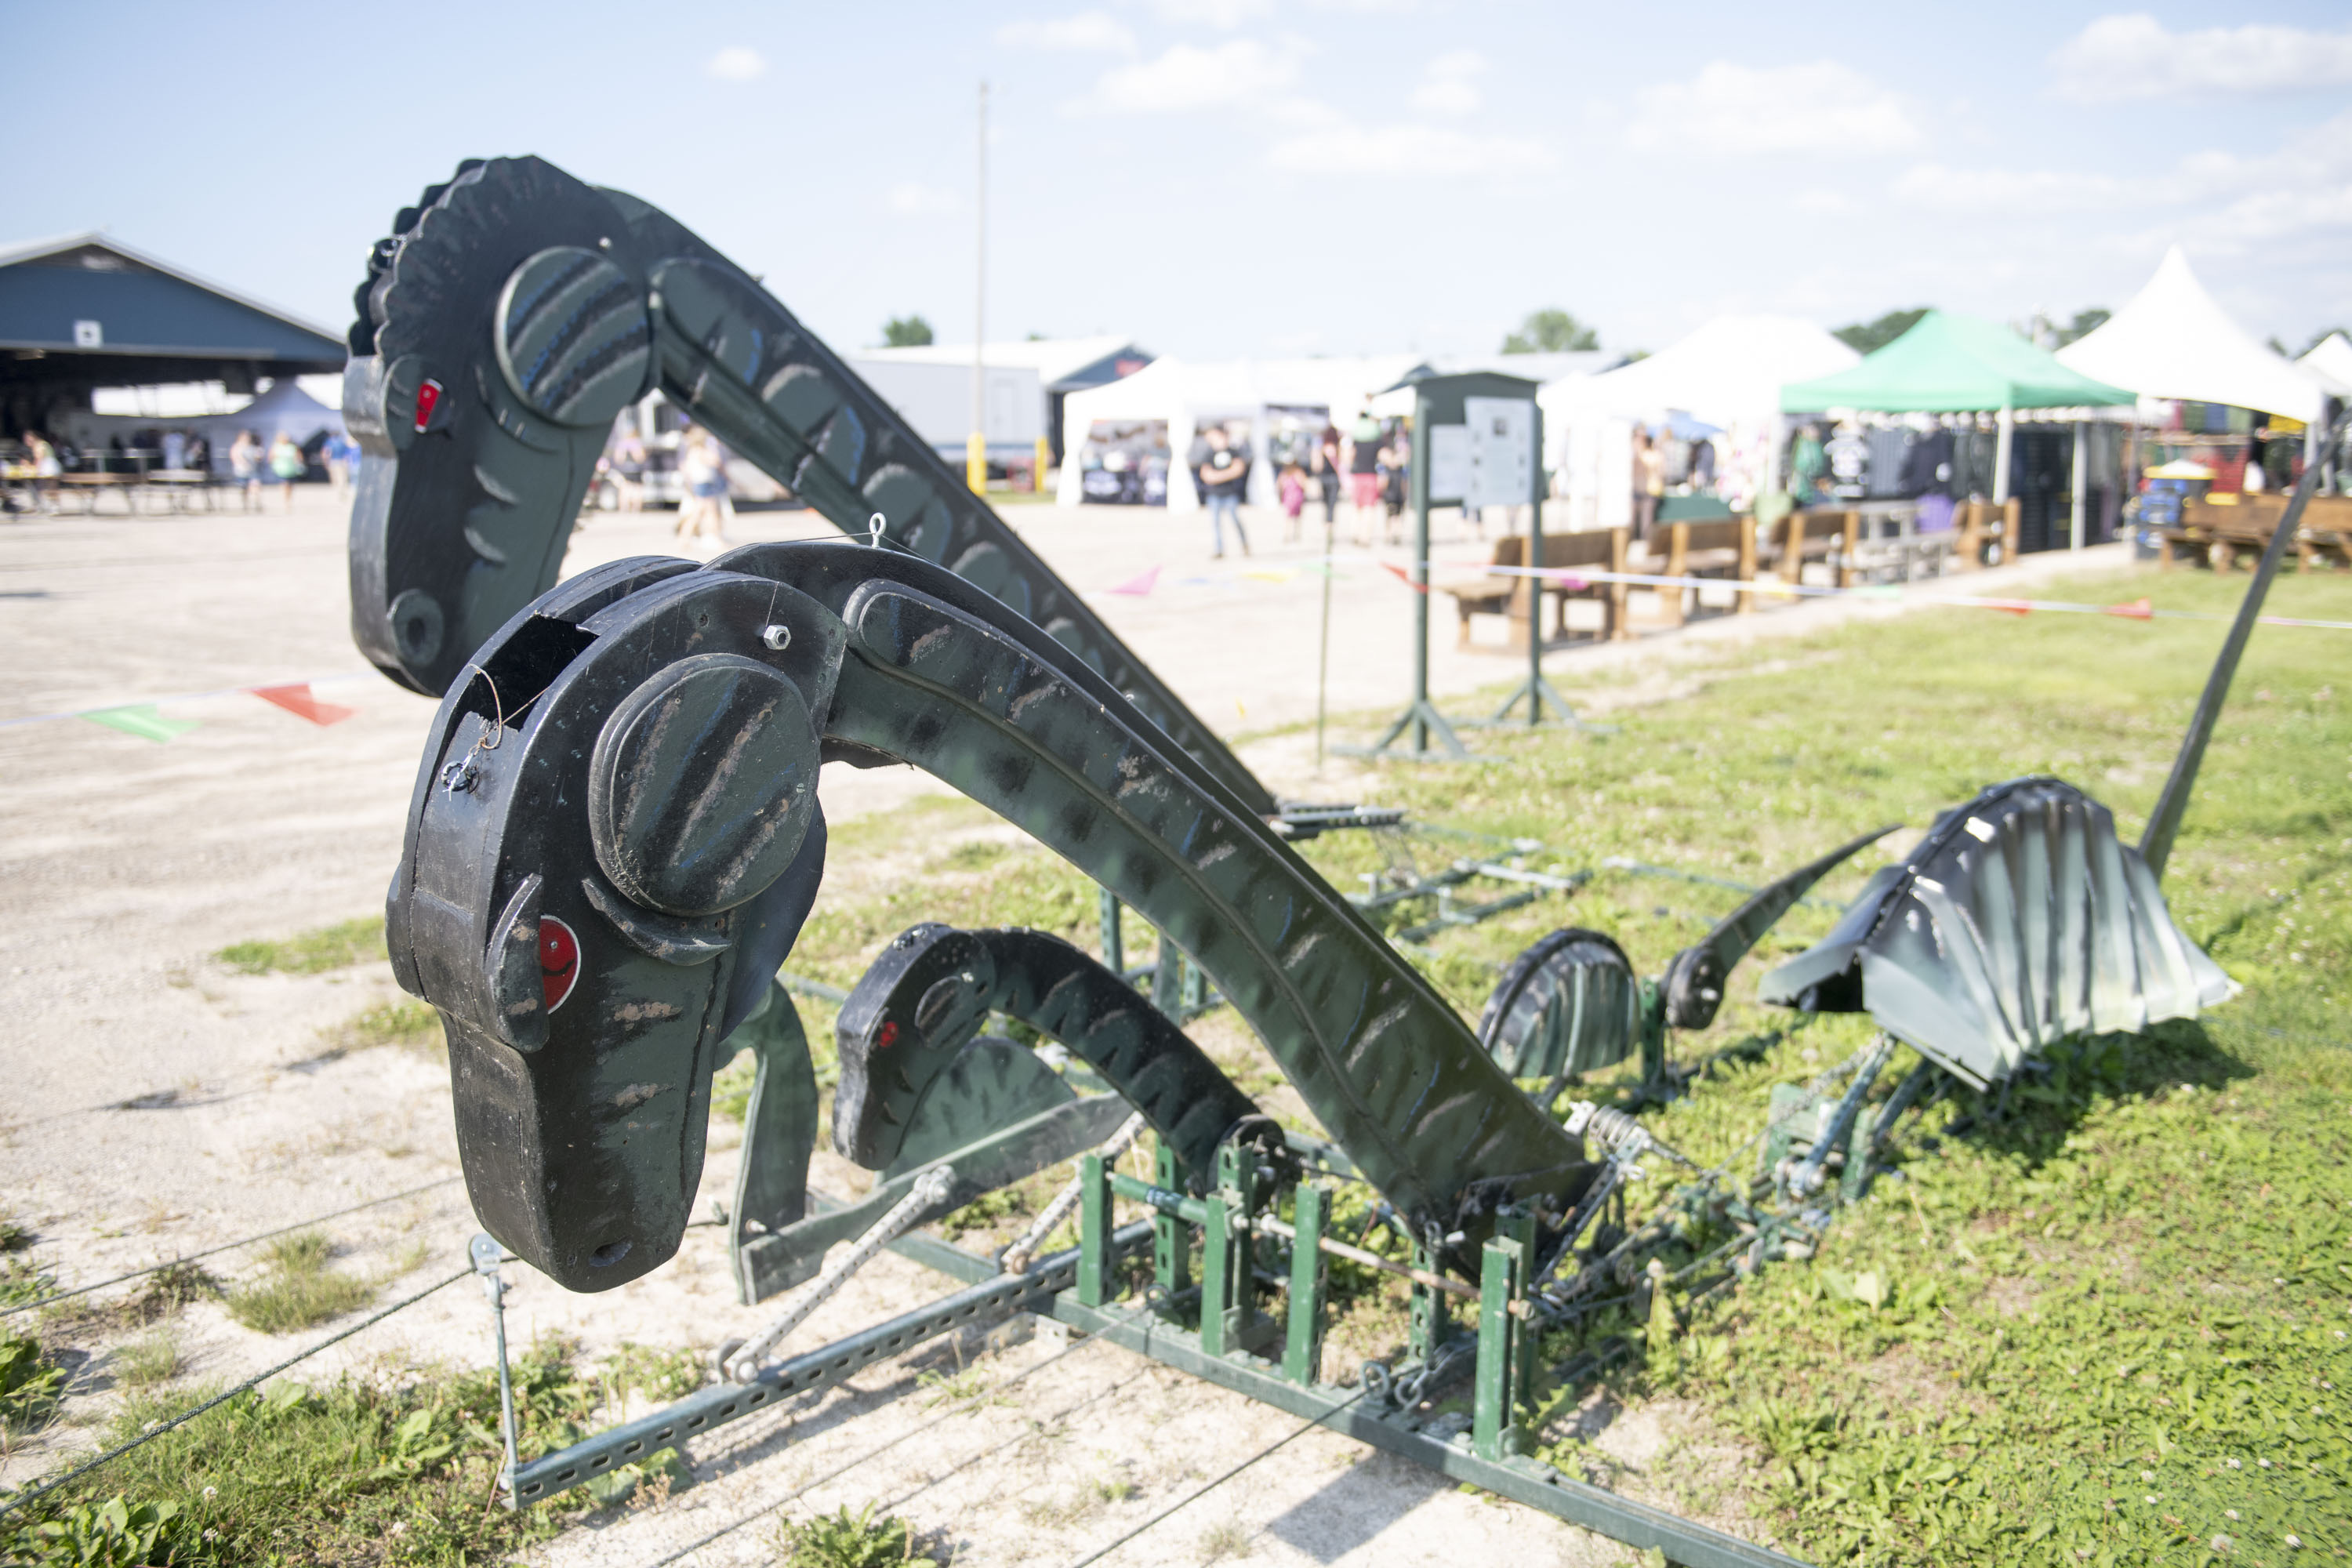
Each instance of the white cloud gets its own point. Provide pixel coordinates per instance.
(1223, 14)
(735, 63)
(1448, 85)
(2008, 190)
(2282, 214)
(1190, 77)
(2304, 185)
(912, 198)
(2136, 56)
(1088, 32)
(1733, 108)
(1347, 149)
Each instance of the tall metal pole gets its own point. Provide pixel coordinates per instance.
(1418, 476)
(1323, 660)
(975, 450)
(2081, 484)
(2155, 843)
(1538, 584)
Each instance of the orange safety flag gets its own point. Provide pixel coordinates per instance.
(2138, 610)
(2014, 606)
(1400, 573)
(1139, 587)
(296, 699)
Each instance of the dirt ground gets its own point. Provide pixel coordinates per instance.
(158, 1103)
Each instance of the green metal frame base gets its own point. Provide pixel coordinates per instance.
(1539, 1486)
(1540, 697)
(1427, 724)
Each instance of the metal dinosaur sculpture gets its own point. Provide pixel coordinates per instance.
(616, 836)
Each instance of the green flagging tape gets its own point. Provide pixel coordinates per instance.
(141, 719)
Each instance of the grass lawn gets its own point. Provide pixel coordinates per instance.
(2108, 1326)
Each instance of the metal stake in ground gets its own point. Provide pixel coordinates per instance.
(486, 1256)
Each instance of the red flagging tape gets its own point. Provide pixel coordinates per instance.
(2139, 609)
(296, 699)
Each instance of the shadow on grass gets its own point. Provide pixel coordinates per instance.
(2032, 1115)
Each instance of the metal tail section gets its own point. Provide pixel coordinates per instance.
(2019, 920)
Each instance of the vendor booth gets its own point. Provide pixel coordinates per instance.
(1721, 384)
(1130, 441)
(1954, 364)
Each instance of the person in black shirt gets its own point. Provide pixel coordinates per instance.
(1224, 473)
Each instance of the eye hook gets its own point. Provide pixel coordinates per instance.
(498, 706)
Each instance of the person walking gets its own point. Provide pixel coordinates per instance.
(340, 454)
(703, 509)
(1363, 459)
(1222, 474)
(1326, 465)
(245, 456)
(1294, 501)
(1649, 481)
(46, 469)
(286, 464)
(1396, 459)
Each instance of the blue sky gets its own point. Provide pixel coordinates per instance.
(1224, 177)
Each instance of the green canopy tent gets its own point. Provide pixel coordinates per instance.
(1955, 364)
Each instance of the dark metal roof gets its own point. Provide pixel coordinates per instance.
(91, 297)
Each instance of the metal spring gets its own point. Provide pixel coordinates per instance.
(1618, 1133)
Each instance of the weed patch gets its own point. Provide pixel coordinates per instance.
(405, 1022)
(846, 1540)
(30, 1386)
(311, 951)
(352, 1472)
(297, 1288)
(149, 1360)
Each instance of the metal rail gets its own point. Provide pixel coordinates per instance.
(996, 1296)
(1524, 1480)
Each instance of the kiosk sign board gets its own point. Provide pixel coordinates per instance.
(1501, 438)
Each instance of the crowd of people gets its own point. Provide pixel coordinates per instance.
(1368, 462)
(36, 465)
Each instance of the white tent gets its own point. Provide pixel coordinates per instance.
(2174, 341)
(2331, 362)
(1728, 373)
(1185, 395)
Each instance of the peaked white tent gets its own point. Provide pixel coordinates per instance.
(1728, 373)
(2331, 362)
(1185, 395)
(2173, 340)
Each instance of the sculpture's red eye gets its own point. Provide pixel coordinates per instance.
(558, 960)
(887, 1035)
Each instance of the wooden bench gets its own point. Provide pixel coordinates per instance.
(1822, 534)
(1982, 523)
(1722, 548)
(2214, 532)
(1512, 597)
(2325, 536)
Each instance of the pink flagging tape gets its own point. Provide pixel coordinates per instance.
(296, 699)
